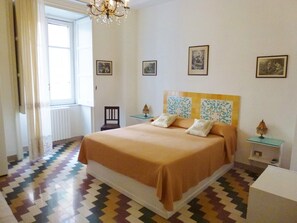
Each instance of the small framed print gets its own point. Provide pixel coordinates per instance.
(103, 67)
(272, 66)
(198, 60)
(149, 68)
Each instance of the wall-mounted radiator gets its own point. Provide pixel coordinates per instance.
(61, 125)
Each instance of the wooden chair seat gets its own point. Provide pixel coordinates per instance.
(110, 126)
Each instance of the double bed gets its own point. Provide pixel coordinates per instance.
(164, 168)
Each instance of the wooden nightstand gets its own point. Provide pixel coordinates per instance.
(267, 150)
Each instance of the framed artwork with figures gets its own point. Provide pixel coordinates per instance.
(198, 60)
(149, 68)
(103, 67)
(272, 66)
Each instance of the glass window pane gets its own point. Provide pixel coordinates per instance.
(61, 71)
(60, 74)
(58, 35)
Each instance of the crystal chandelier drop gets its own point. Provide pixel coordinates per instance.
(107, 11)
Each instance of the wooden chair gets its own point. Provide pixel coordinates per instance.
(111, 118)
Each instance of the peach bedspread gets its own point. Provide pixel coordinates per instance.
(165, 158)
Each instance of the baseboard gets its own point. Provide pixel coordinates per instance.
(251, 168)
(63, 141)
(14, 158)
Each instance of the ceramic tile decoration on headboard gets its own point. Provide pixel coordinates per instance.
(217, 110)
(182, 106)
(218, 107)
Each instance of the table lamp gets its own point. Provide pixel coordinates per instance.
(145, 110)
(262, 129)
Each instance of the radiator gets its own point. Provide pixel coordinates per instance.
(61, 125)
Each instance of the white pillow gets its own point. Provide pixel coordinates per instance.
(200, 127)
(165, 120)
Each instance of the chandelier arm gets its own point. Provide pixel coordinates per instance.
(119, 15)
(113, 12)
(94, 10)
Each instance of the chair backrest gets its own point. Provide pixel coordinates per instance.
(112, 115)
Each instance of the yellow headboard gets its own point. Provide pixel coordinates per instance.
(218, 107)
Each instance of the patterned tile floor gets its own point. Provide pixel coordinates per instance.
(57, 189)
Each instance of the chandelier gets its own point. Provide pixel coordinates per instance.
(107, 11)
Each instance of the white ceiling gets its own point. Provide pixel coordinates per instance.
(61, 13)
(136, 4)
(145, 3)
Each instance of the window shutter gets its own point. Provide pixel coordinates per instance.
(84, 62)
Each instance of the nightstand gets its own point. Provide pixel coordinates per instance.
(141, 117)
(266, 150)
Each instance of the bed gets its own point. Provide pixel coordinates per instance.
(164, 168)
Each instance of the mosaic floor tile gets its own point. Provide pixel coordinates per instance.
(57, 189)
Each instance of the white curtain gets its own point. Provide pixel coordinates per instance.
(33, 66)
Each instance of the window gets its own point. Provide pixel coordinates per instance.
(61, 57)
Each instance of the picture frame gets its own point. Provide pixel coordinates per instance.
(103, 67)
(198, 60)
(272, 66)
(149, 68)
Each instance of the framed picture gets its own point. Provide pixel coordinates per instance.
(149, 68)
(103, 67)
(198, 60)
(272, 66)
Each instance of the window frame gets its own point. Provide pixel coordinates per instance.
(70, 24)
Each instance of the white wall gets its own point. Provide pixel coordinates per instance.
(128, 62)
(237, 31)
(117, 44)
(80, 118)
(105, 47)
